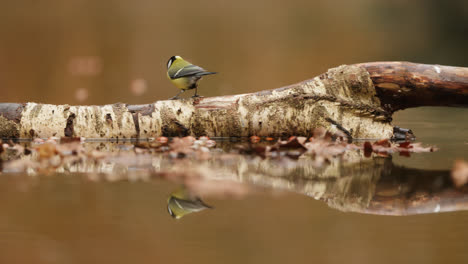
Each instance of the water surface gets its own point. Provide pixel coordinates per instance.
(68, 218)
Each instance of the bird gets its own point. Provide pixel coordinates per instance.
(181, 203)
(184, 75)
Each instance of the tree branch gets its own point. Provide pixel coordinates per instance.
(356, 99)
(401, 85)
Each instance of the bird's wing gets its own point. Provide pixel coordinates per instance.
(189, 70)
(191, 205)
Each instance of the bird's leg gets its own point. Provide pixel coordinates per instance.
(196, 90)
(177, 95)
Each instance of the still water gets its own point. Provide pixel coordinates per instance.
(292, 215)
(100, 52)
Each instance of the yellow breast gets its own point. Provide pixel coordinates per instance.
(181, 83)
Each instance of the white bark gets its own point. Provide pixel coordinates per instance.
(343, 99)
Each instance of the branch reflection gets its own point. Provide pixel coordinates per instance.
(350, 182)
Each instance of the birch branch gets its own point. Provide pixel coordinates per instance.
(358, 100)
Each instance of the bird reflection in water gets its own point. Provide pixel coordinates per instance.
(362, 185)
(181, 203)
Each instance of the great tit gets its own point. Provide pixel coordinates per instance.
(184, 75)
(181, 203)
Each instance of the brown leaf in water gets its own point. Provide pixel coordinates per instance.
(162, 140)
(328, 136)
(27, 151)
(323, 147)
(96, 154)
(46, 150)
(210, 143)
(384, 147)
(319, 132)
(148, 145)
(367, 149)
(294, 154)
(72, 148)
(181, 146)
(64, 140)
(260, 150)
(254, 139)
(382, 150)
(405, 154)
(189, 139)
(406, 144)
(139, 150)
(19, 165)
(142, 145)
(460, 173)
(383, 154)
(294, 142)
(417, 147)
(38, 141)
(301, 140)
(341, 136)
(383, 143)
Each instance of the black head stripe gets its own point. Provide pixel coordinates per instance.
(170, 212)
(170, 61)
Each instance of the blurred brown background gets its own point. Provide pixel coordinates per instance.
(98, 52)
(107, 51)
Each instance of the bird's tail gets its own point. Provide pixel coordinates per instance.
(208, 73)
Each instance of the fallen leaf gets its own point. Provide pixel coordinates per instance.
(319, 132)
(162, 140)
(46, 150)
(417, 147)
(254, 139)
(367, 149)
(64, 140)
(405, 154)
(293, 142)
(383, 143)
(406, 144)
(210, 143)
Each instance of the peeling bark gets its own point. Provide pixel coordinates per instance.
(355, 99)
(10, 117)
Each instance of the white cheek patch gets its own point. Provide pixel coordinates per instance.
(169, 64)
